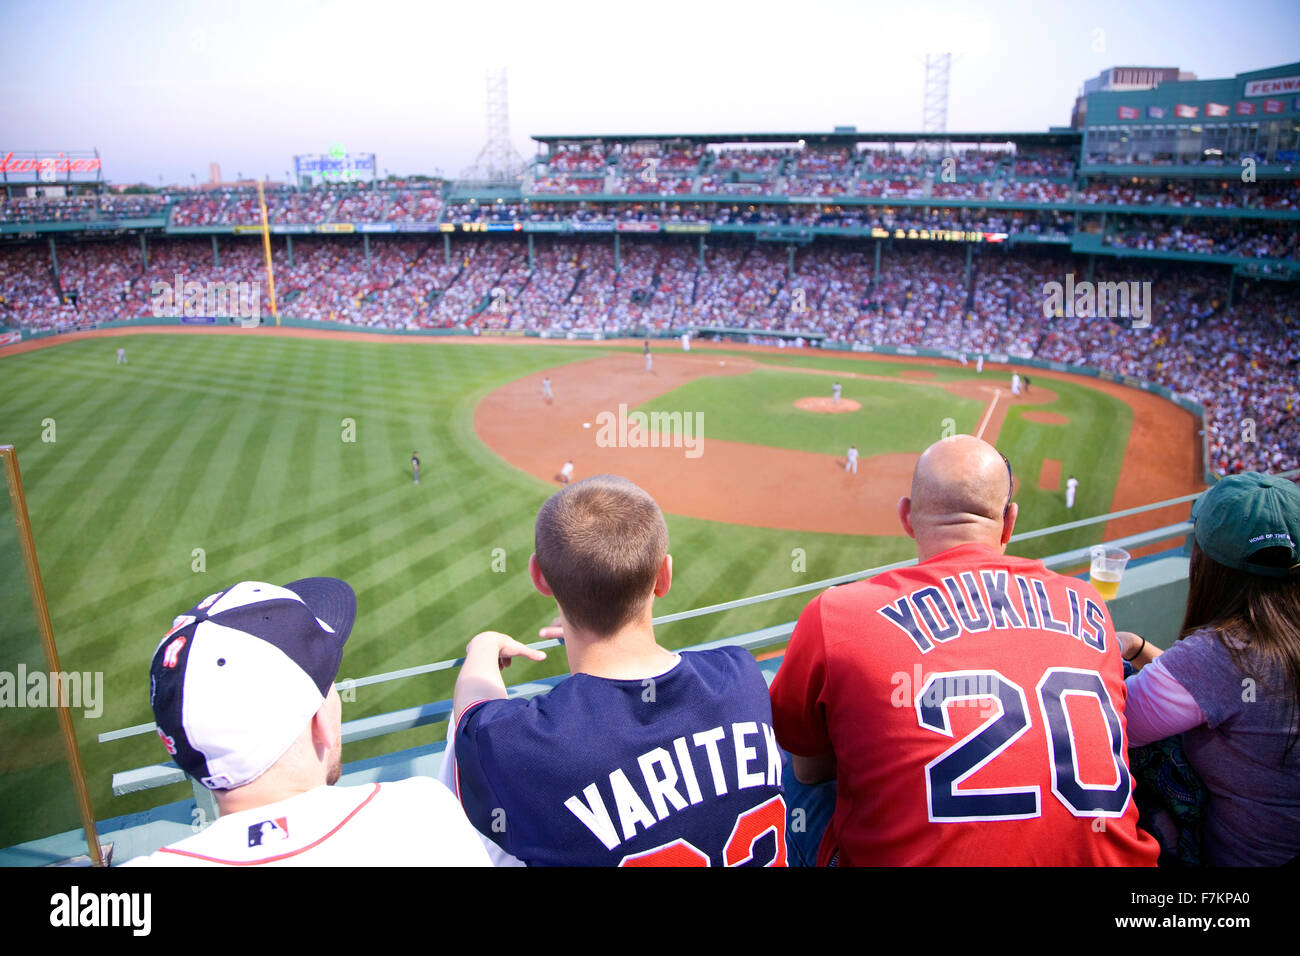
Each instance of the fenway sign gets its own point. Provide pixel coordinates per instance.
(1279, 84)
(48, 167)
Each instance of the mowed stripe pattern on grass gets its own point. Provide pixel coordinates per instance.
(758, 408)
(233, 445)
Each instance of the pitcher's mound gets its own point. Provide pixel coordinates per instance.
(824, 404)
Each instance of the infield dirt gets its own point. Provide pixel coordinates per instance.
(751, 484)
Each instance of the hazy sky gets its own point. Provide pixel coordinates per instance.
(165, 88)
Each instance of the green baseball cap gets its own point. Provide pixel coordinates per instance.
(1244, 514)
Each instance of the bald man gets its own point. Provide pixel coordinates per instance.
(969, 709)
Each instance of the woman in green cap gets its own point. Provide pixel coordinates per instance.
(1231, 684)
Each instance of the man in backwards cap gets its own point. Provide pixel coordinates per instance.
(242, 687)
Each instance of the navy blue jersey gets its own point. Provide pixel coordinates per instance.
(679, 769)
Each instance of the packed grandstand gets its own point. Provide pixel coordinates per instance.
(841, 239)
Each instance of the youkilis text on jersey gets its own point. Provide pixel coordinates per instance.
(930, 614)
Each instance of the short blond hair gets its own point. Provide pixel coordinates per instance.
(599, 544)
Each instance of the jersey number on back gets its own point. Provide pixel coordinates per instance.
(765, 818)
(948, 804)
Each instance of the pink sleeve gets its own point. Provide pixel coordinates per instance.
(1158, 706)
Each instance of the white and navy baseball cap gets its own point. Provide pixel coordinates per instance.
(241, 674)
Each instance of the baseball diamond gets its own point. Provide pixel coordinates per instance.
(256, 450)
(777, 496)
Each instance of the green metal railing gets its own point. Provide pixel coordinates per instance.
(161, 775)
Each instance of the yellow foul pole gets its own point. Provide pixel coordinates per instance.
(13, 479)
(266, 249)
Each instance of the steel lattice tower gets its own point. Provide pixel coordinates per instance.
(934, 112)
(498, 161)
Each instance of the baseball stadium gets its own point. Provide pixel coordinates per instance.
(383, 378)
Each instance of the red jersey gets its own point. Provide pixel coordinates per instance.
(975, 707)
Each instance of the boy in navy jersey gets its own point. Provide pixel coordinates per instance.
(642, 757)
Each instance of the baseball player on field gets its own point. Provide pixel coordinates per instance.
(242, 687)
(566, 472)
(415, 466)
(979, 363)
(121, 356)
(1015, 383)
(643, 757)
(648, 360)
(851, 460)
(835, 392)
(970, 708)
(1071, 485)
(686, 341)
(546, 390)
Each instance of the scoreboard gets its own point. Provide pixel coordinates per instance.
(315, 169)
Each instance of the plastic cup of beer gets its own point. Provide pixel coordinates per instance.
(1107, 569)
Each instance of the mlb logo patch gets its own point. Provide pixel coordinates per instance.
(259, 834)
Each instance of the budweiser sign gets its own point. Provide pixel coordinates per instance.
(55, 164)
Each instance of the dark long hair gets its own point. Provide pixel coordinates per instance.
(1256, 618)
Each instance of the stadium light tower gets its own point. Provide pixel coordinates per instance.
(934, 112)
(498, 161)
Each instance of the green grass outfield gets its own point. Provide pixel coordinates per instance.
(905, 415)
(758, 408)
(233, 445)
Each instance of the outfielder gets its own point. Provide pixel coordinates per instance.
(121, 356)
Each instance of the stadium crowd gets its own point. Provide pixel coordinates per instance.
(827, 174)
(81, 208)
(1214, 237)
(1241, 362)
(240, 207)
(760, 161)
